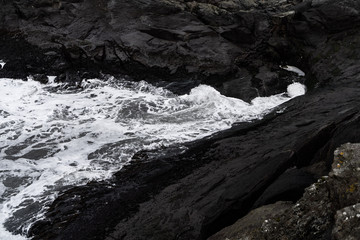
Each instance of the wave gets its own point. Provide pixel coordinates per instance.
(53, 137)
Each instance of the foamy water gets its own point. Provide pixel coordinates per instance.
(52, 137)
(2, 64)
(294, 69)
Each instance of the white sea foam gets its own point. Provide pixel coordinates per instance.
(52, 137)
(293, 69)
(2, 64)
(296, 89)
(51, 80)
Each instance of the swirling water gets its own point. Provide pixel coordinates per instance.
(53, 137)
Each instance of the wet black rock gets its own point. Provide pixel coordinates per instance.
(287, 187)
(250, 226)
(160, 40)
(329, 209)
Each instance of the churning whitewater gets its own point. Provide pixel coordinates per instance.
(53, 137)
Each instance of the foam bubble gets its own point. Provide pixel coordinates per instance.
(296, 89)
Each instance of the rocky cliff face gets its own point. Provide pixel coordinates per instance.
(234, 45)
(329, 209)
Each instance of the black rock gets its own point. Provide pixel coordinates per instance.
(329, 209)
(157, 40)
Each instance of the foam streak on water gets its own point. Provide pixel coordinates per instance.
(2, 64)
(52, 137)
(296, 70)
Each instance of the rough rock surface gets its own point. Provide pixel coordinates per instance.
(329, 209)
(192, 195)
(222, 43)
(249, 227)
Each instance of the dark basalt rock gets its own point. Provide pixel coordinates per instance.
(171, 195)
(251, 225)
(287, 187)
(204, 41)
(329, 209)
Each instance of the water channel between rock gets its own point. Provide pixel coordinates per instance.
(53, 136)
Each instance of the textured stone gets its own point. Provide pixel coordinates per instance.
(157, 40)
(329, 208)
(250, 226)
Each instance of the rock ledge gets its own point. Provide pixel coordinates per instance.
(329, 209)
